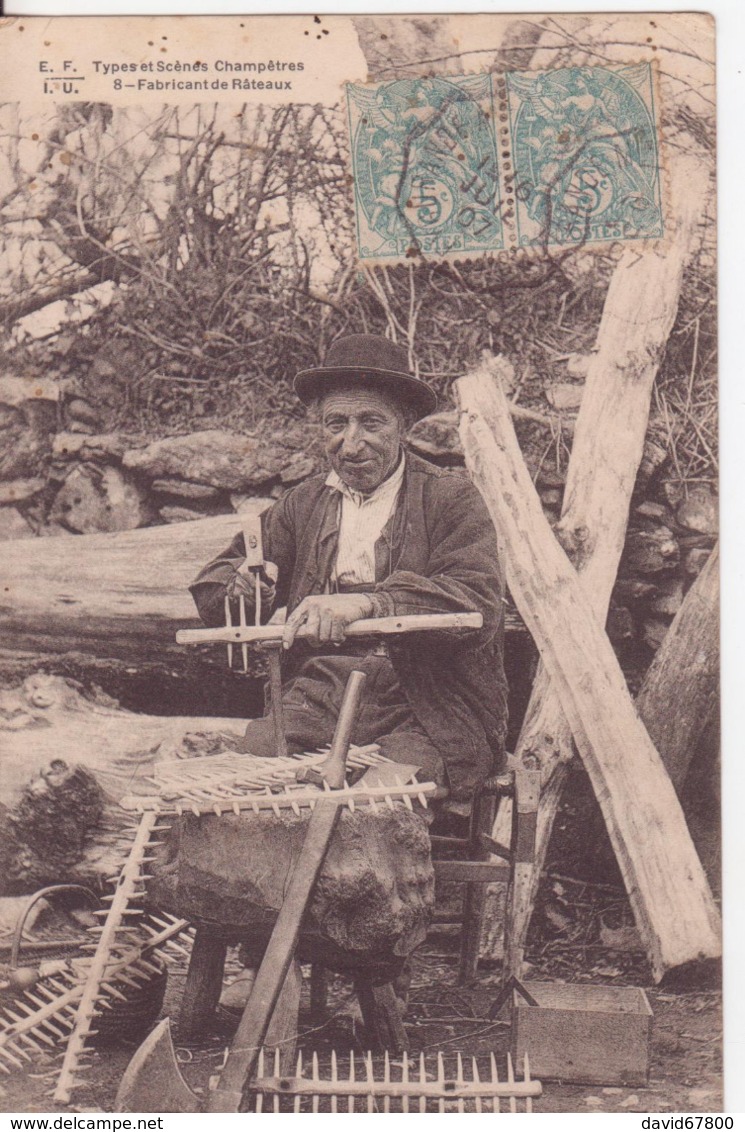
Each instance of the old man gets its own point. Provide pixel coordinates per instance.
(382, 533)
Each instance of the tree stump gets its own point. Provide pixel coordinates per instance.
(371, 905)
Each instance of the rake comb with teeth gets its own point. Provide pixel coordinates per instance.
(403, 1091)
(127, 952)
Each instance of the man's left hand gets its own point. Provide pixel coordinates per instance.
(325, 617)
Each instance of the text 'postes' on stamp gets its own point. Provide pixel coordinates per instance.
(469, 165)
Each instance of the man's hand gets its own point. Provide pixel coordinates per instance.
(243, 582)
(325, 617)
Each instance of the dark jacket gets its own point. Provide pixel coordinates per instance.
(437, 554)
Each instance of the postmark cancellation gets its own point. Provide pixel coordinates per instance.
(471, 165)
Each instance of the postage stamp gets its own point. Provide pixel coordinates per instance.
(426, 168)
(586, 155)
(470, 165)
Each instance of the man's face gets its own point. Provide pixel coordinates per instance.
(362, 432)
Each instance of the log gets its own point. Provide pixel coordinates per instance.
(680, 692)
(118, 595)
(371, 905)
(65, 761)
(669, 894)
(607, 453)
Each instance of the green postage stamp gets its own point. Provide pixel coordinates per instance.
(466, 165)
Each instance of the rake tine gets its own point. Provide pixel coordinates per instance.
(370, 1081)
(350, 1103)
(298, 1073)
(174, 945)
(316, 1077)
(19, 1004)
(39, 1001)
(42, 989)
(476, 1081)
(16, 1018)
(386, 1080)
(44, 1037)
(242, 620)
(405, 1081)
(406, 799)
(495, 1081)
(229, 625)
(5, 1052)
(114, 992)
(59, 1034)
(511, 1081)
(334, 1079)
(149, 967)
(422, 1081)
(459, 1080)
(440, 1079)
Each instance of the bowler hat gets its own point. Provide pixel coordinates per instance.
(370, 360)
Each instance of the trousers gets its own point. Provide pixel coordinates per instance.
(311, 701)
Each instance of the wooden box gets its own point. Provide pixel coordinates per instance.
(587, 1034)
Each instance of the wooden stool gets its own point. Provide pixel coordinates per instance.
(378, 1002)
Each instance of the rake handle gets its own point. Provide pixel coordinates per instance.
(254, 1023)
(367, 627)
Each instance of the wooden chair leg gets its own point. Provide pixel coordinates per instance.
(524, 828)
(482, 819)
(203, 984)
(382, 1016)
(319, 986)
(470, 943)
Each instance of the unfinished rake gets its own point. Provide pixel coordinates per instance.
(233, 783)
(418, 1091)
(44, 1015)
(114, 948)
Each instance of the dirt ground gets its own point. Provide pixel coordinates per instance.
(685, 1062)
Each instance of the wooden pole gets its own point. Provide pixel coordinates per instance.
(680, 693)
(638, 315)
(675, 912)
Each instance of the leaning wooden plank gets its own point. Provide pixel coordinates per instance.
(669, 893)
(680, 692)
(638, 316)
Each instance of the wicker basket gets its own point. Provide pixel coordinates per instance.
(132, 1019)
(128, 1018)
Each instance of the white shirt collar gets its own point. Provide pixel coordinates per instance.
(387, 488)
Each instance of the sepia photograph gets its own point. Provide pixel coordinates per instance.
(359, 507)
